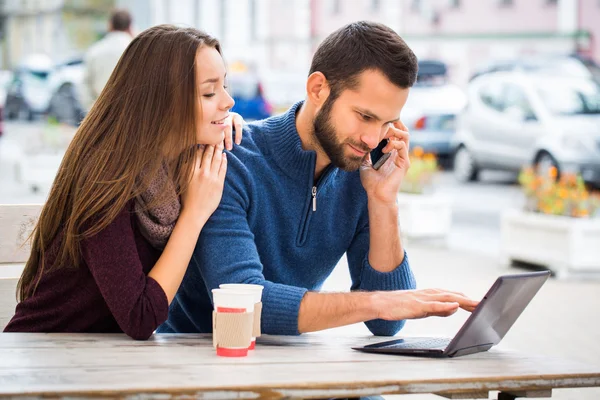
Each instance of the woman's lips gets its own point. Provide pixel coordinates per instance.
(220, 121)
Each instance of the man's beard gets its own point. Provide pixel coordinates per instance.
(326, 136)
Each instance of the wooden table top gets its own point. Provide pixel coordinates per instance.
(313, 365)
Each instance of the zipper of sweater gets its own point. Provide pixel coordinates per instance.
(314, 197)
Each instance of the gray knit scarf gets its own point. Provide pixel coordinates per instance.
(156, 222)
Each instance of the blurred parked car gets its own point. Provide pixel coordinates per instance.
(250, 102)
(1, 121)
(431, 109)
(27, 94)
(65, 85)
(40, 87)
(514, 119)
(6, 78)
(571, 65)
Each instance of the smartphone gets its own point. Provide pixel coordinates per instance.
(378, 158)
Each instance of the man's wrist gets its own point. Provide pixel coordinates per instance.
(383, 209)
(383, 204)
(374, 305)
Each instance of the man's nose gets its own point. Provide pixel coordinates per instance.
(371, 138)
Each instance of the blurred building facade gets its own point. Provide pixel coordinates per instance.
(466, 33)
(268, 37)
(277, 37)
(30, 27)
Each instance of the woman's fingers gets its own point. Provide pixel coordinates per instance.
(223, 167)
(216, 160)
(228, 137)
(209, 151)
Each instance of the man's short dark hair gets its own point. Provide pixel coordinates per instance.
(120, 20)
(361, 46)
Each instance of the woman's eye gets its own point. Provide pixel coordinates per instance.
(365, 117)
(209, 95)
(225, 87)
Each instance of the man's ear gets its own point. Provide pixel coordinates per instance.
(317, 89)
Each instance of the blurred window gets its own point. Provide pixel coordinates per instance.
(505, 3)
(516, 99)
(491, 96)
(415, 6)
(454, 3)
(432, 73)
(335, 6)
(571, 99)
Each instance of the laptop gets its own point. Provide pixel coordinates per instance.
(485, 327)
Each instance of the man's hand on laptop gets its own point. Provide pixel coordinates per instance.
(413, 304)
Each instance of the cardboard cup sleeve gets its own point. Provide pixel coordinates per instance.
(232, 330)
(257, 314)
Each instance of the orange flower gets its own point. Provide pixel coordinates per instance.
(429, 157)
(418, 152)
(563, 193)
(585, 195)
(559, 204)
(567, 196)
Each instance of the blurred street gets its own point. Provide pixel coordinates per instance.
(18, 185)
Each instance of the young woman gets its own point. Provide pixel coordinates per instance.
(141, 177)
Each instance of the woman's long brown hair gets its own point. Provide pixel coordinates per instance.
(144, 117)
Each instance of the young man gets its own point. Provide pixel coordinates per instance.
(301, 191)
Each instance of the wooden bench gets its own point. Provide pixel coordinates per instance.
(16, 223)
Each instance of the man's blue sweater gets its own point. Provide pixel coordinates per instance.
(267, 231)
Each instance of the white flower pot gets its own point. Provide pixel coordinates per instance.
(562, 244)
(424, 215)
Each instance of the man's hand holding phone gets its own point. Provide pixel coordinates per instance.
(382, 177)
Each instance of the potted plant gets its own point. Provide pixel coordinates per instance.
(421, 212)
(559, 225)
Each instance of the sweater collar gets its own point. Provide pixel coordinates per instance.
(286, 146)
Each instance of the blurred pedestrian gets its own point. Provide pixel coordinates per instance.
(102, 57)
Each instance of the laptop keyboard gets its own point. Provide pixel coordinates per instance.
(434, 343)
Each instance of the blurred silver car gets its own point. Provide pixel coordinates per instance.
(514, 119)
(26, 94)
(431, 109)
(65, 85)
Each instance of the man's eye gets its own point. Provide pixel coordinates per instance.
(366, 117)
(209, 95)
